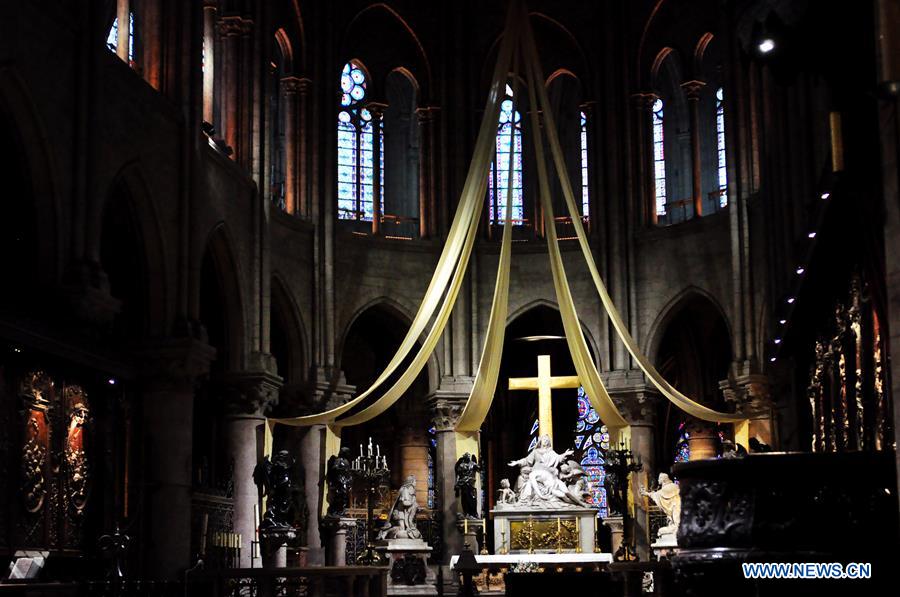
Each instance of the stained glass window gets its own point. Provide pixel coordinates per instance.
(432, 454)
(112, 38)
(356, 131)
(720, 147)
(498, 181)
(659, 158)
(592, 443)
(585, 202)
(683, 447)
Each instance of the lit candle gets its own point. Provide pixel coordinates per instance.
(465, 526)
(377, 450)
(559, 526)
(239, 537)
(360, 451)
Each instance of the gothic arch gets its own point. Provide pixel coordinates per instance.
(537, 303)
(404, 314)
(219, 250)
(17, 109)
(405, 51)
(285, 308)
(129, 186)
(672, 309)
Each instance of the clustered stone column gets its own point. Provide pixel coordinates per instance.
(428, 144)
(646, 188)
(753, 398)
(234, 32)
(289, 88)
(377, 111)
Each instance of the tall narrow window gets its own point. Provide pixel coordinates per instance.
(356, 171)
(659, 158)
(585, 197)
(720, 147)
(592, 443)
(112, 38)
(498, 184)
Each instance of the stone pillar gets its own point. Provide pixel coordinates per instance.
(446, 406)
(644, 172)
(334, 529)
(229, 32)
(288, 90)
(168, 412)
(248, 397)
(703, 441)
(302, 146)
(414, 452)
(377, 111)
(209, 58)
(638, 401)
(123, 13)
(428, 211)
(693, 89)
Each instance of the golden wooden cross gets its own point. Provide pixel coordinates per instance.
(544, 383)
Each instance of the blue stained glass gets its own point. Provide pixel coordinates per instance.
(659, 157)
(592, 447)
(509, 127)
(585, 194)
(112, 38)
(720, 147)
(683, 446)
(534, 427)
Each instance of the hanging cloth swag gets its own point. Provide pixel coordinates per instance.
(443, 289)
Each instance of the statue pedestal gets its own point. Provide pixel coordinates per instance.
(617, 531)
(408, 562)
(274, 546)
(531, 530)
(469, 528)
(665, 546)
(334, 531)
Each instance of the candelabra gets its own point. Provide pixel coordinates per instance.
(620, 463)
(370, 468)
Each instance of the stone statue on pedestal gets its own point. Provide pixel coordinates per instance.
(340, 482)
(275, 478)
(466, 470)
(401, 522)
(668, 498)
(543, 488)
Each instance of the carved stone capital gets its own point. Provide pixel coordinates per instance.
(377, 109)
(251, 393)
(636, 399)
(175, 362)
(751, 393)
(448, 401)
(643, 102)
(693, 88)
(234, 25)
(290, 85)
(427, 115)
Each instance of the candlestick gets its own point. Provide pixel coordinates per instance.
(558, 534)
(577, 535)
(465, 526)
(203, 528)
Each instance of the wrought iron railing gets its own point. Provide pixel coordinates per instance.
(429, 525)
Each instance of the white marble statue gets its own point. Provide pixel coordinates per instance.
(542, 487)
(401, 523)
(506, 496)
(668, 498)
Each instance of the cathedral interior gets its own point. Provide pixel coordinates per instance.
(225, 219)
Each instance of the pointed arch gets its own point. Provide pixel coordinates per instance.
(17, 111)
(552, 305)
(219, 255)
(673, 308)
(286, 311)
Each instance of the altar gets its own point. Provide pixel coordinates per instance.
(522, 530)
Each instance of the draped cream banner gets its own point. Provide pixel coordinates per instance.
(453, 261)
(666, 389)
(578, 348)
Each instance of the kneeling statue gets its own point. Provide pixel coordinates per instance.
(668, 498)
(401, 522)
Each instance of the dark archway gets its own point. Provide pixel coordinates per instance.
(694, 353)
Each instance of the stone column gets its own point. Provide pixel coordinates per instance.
(414, 452)
(209, 58)
(637, 401)
(645, 176)
(428, 171)
(168, 411)
(123, 13)
(693, 89)
(446, 407)
(302, 146)
(288, 90)
(229, 32)
(377, 111)
(334, 529)
(248, 397)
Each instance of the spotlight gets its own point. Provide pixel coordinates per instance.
(777, 340)
(772, 360)
(766, 45)
(782, 321)
(811, 235)
(826, 195)
(111, 381)
(791, 300)
(17, 349)
(800, 269)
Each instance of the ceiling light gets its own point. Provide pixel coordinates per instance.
(811, 235)
(782, 321)
(766, 45)
(791, 300)
(777, 340)
(826, 195)
(800, 269)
